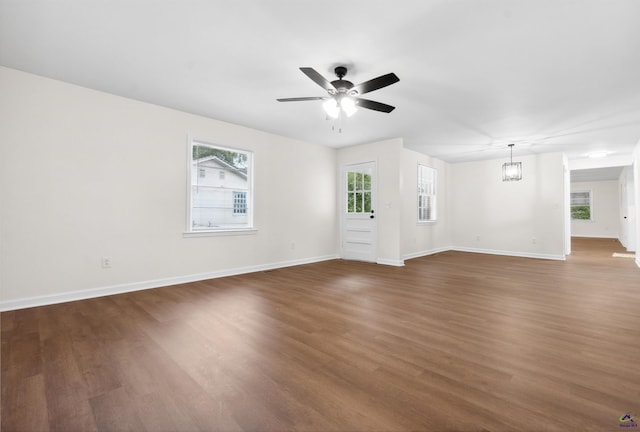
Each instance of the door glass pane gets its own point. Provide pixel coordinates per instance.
(350, 181)
(359, 181)
(367, 202)
(350, 203)
(358, 202)
(367, 182)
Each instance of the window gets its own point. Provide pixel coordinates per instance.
(215, 205)
(239, 203)
(426, 194)
(202, 173)
(581, 205)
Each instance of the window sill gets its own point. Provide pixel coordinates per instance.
(217, 233)
(431, 222)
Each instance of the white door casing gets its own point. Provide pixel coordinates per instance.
(359, 229)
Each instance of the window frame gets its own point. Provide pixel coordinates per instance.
(582, 191)
(420, 196)
(250, 193)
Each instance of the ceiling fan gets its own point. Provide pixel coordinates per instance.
(343, 94)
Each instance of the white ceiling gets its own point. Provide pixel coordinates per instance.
(596, 174)
(475, 75)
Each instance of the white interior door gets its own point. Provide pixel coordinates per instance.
(628, 211)
(359, 233)
(624, 219)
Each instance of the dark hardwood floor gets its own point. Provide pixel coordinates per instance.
(450, 342)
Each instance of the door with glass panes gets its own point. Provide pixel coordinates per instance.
(359, 219)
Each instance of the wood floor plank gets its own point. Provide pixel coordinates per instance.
(65, 389)
(450, 342)
(24, 404)
(115, 411)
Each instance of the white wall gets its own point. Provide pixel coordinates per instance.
(605, 210)
(524, 218)
(84, 174)
(387, 155)
(419, 239)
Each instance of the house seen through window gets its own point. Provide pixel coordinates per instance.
(221, 188)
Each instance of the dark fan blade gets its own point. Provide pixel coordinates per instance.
(317, 78)
(376, 83)
(373, 105)
(300, 99)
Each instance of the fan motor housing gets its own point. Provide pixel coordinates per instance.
(342, 86)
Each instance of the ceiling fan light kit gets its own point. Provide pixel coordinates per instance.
(343, 95)
(331, 107)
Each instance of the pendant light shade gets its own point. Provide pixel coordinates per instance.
(348, 105)
(331, 108)
(512, 171)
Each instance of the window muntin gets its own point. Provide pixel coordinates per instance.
(581, 205)
(221, 199)
(427, 203)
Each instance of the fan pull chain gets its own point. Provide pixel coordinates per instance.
(333, 125)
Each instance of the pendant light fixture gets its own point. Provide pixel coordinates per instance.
(512, 171)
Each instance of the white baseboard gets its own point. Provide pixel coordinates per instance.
(426, 252)
(149, 284)
(485, 251)
(396, 263)
(596, 236)
(510, 253)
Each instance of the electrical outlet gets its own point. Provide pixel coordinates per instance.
(293, 245)
(533, 240)
(106, 262)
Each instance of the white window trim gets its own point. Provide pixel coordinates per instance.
(250, 230)
(417, 213)
(426, 222)
(223, 232)
(591, 218)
